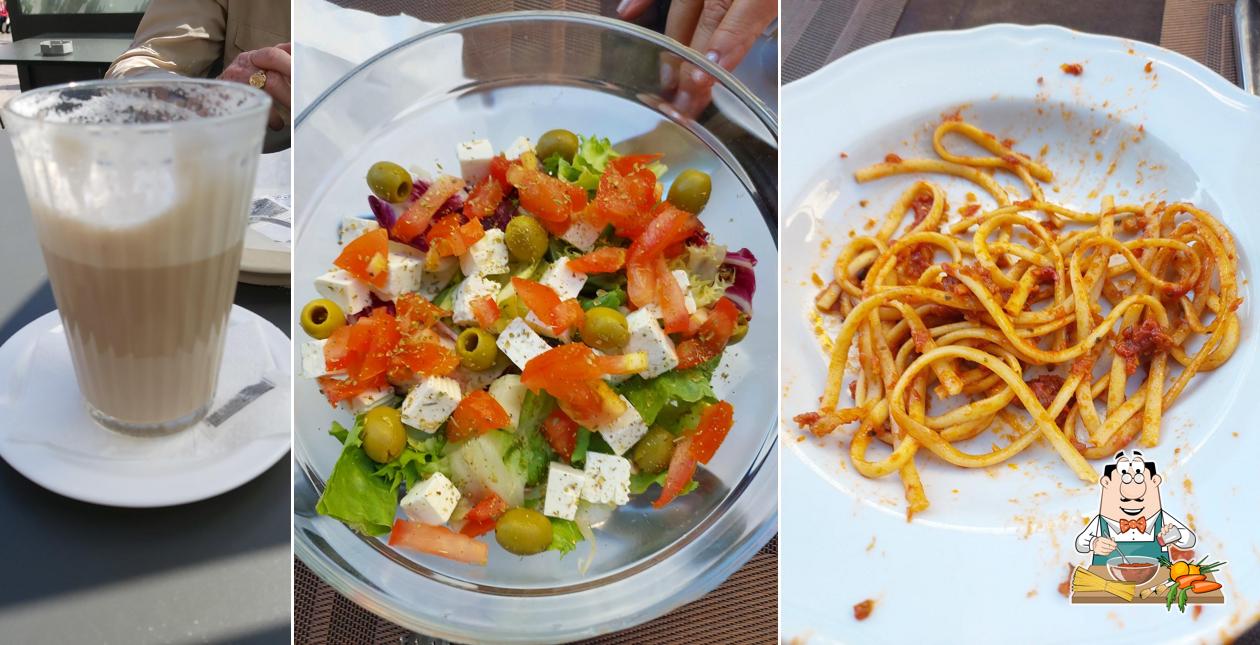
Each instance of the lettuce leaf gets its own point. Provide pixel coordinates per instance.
(419, 459)
(353, 493)
(651, 396)
(530, 453)
(641, 482)
(588, 164)
(564, 535)
(611, 299)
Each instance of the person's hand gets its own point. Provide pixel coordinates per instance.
(722, 30)
(1169, 534)
(1103, 546)
(277, 63)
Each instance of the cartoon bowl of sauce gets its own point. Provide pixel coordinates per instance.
(1135, 569)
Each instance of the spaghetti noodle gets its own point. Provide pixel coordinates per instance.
(1085, 300)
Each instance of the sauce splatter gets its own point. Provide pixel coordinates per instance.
(1074, 69)
(862, 610)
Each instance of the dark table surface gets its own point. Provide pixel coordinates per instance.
(1139, 19)
(212, 571)
(95, 49)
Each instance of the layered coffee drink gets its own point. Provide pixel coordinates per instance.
(141, 218)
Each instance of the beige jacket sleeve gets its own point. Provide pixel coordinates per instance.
(184, 37)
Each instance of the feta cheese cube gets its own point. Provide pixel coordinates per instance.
(684, 282)
(564, 488)
(352, 227)
(518, 148)
(474, 159)
(487, 256)
(520, 343)
(647, 336)
(565, 282)
(471, 380)
(372, 398)
(431, 501)
(342, 288)
(581, 235)
(429, 404)
(472, 288)
(607, 479)
(405, 275)
(398, 248)
(313, 365)
(622, 433)
(510, 394)
(432, 282)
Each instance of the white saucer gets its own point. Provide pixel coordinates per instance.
(109, 476)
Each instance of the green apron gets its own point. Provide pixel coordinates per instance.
(1150, 549)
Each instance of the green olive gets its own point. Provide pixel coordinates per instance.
(653, 451)
(741, 329)
(557, 142)
(605, 329)
(383, 434)
(389, 181)
(523, 531)
(690, 190)
(526, 239)
(321, 317)
(476, 348)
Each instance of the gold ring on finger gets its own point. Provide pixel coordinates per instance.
(258, 79)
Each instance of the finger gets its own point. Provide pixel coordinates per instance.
(739, 29)
(287, 47)
(692, 99)
(681, 21)
(272, 59)
(631, 9)
(694, 84)
(277, 86)
(274, 120)
(680, 24)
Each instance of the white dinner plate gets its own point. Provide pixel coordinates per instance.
(92, 464)
(983, 564)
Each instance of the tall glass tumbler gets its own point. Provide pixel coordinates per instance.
(140, 192)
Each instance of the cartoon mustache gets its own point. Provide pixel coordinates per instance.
(1136, 499)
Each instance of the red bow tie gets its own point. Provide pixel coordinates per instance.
(1139, 524)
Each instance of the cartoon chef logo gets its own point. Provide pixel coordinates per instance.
(1131, 520)
(1136, 548)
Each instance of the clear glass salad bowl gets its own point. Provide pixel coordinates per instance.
(499, 77)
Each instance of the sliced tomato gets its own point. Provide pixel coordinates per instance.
(481, 518)
(449, 237)
(715, 422)
(484, 198)
(668, 227)
(345, 348)
(641, 281)
(571, 374)
(631, 363)
(569, 315)
(681, 469)
(670, 297)
(414, 313)
(543, 301)
(425, 357)
(440, 541)
(415, 220)
(627, 192)
(485, 310)
(367, 257)
(337, 390)
(561, 433)
(476, 414)
(384, 338)
(711, 338)
(547, 198)
(608, 259)
(498, 169)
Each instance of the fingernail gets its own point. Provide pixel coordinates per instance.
(622, 6)
(713, 57)
(668, 81)
(683, 101)
(700, 76)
